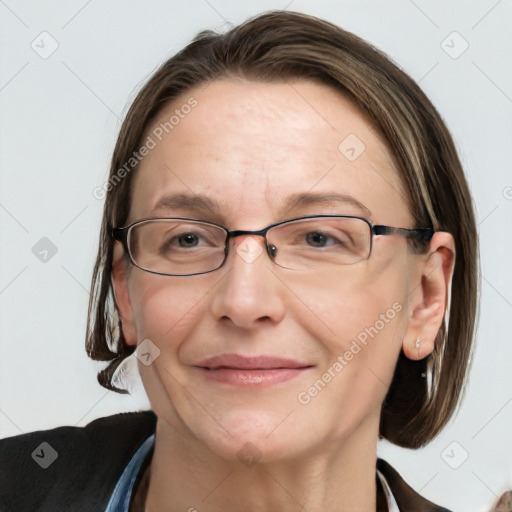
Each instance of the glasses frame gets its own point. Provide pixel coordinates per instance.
(121, 235)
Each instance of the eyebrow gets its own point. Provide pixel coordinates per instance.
(292, 202)
(325, 199)
(190, 201)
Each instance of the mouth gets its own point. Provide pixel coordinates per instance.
(238, 370)
(240, 362)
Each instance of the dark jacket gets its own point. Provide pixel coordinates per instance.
(84, 464)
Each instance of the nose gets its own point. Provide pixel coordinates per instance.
(249, 294)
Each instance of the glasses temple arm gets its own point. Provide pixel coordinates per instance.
(422, 234)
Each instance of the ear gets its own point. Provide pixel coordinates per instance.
(119, 280)
(431, 297)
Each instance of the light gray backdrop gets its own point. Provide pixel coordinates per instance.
(68, 72)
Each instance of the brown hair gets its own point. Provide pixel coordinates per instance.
(275, 47)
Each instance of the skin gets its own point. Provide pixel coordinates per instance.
(249, 146)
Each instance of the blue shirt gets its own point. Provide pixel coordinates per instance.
(121, 497)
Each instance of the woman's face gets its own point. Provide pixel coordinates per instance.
(245, 156)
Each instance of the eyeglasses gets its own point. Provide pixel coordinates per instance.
(187, 247)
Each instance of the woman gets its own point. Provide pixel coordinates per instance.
(288, 244)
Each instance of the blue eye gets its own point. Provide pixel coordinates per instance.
(187, 240)
(184, 240)
(319, 239)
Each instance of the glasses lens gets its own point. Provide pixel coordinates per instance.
(320, 242)
(177, 247)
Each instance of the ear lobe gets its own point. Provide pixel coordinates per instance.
(119, 280)
(431, 298)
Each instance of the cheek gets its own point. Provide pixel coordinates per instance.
(347, 306)
(166, 308)
(360, 317)
(360, 345)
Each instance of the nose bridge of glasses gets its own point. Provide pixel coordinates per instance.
(241, 232)
(245, 248)
(244, 232)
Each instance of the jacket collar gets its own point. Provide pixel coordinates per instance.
(406, 498)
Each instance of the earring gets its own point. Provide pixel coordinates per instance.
(418, 345)
(430, 375)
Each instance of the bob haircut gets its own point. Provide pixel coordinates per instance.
(275, 47)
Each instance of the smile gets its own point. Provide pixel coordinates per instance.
(241, 371)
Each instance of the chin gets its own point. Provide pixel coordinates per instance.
(254, 436)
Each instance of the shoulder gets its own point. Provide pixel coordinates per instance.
(406, 497)
(70, 468)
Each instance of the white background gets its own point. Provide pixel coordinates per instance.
(59, 120)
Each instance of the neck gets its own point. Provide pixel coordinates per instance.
(186, 476)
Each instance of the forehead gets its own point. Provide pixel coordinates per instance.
(251, 150)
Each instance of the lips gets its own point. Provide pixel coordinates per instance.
(239, 362)
(238, 371)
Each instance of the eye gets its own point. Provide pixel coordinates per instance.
(320, 239)
(187, 240)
